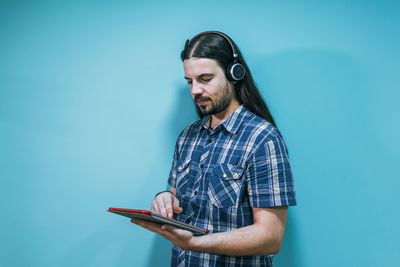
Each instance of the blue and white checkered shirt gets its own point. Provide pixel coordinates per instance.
(221, 174)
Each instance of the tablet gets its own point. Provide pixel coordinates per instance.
(149, 216)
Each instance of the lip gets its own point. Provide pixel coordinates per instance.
(202, 102)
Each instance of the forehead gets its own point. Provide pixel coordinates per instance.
(196, 66)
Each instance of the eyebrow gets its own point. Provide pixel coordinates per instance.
(201, 75)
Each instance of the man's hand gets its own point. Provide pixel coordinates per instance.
(166, 204)
(180, 237)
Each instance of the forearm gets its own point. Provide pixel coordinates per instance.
(263, 237)
(251, 240)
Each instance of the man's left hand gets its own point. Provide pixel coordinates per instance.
(179, 237)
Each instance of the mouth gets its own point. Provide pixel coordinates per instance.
(201, 102)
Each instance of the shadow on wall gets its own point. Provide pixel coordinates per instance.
(183, 114)
(318, 99)
(296, 84)
(290, 255)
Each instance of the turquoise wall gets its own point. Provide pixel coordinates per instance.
(92, 98)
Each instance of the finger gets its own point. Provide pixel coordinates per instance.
(168, 206)
(170, 232)
(175, 205)
(154, 227)
(167, 227)
(173, 233)
(173, 230)
(154, 207)
(163, 208)
(157, 205)
(178, 209)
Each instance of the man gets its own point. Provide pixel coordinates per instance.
(231, 173)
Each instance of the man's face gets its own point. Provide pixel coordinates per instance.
(209, 87)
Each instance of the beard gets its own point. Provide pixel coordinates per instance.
(219, 104)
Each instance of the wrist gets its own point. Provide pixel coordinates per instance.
(195, 244)
(165, 191)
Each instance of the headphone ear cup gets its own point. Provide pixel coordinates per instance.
(235, 72)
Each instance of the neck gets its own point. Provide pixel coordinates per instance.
(219, 118)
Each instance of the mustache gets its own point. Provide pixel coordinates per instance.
(198, 98)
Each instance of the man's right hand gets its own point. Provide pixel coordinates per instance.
(166, 204)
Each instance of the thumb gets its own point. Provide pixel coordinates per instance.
(175, 206)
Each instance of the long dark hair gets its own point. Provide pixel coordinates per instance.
(214, 46)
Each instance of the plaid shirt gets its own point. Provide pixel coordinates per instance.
(221, 174)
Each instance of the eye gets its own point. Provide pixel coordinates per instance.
(206, 80)
(189, 82)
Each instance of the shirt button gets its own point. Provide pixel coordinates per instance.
(180, 169)
(224, 175)
(235, 175)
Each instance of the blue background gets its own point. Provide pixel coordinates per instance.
(92, 98)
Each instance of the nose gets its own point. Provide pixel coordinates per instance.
(196, 88)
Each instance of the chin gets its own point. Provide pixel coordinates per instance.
(203, 109)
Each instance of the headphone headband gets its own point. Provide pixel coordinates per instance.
(235, 54)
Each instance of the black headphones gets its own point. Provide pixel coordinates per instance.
(235, 71)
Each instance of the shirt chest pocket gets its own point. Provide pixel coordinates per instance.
(225, 184)
(184, 176)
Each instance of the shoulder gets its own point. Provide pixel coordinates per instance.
(191, 129)
(261, 129)
(262, 134)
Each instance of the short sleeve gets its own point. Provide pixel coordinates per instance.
(269, 176)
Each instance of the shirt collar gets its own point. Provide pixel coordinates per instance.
(231, 124)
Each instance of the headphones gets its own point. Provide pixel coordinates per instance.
(235, 71)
